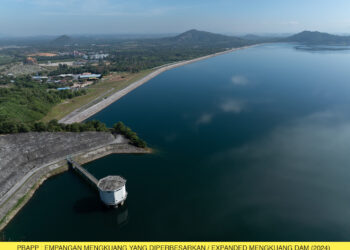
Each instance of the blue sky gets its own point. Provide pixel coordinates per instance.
(52, 17)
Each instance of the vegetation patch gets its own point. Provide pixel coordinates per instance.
(102, 89)
(54, 126)
(65, 69)
(5, 59)
(120, 128)
(26, 102)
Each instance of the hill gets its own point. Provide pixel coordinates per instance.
(200, 36)
(315, 37)
(62, 40)
(203, 39)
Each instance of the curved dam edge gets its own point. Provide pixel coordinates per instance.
(81, 114)
(17, 197)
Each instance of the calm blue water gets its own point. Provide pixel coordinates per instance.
(252, 145)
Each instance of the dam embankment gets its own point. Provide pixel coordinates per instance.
(28, 159)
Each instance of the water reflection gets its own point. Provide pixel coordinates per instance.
(232, 106)
(239, 80)
(92, 205)
(315, 48)
(122, 216)
(89, 204)
(228, 105)
(322, 135)
(295, 175)
(204, 119)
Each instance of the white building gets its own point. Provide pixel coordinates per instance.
(112, 190)
(90, 76)
(99, 56)
(39, 77)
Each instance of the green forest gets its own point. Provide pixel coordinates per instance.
(28, 101)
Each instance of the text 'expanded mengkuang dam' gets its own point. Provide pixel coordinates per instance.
(111, 188)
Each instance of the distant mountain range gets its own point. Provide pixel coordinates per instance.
(188, 38)
(191, 38)
(210, 39)
(305, 37)
(202, 39)
(319, 38)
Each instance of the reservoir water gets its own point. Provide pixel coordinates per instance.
(251, 145)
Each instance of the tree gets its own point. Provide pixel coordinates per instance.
(140, 143)
(23, 128)
(54, 126)
(119, 127)
(74, 127)
(99, 126)
(40, 127)
(8, 127)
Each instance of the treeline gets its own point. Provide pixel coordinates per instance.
(10, 127)
(45, 59)
(136, 60)
(65, 69)
(139, 59)
(19, 81)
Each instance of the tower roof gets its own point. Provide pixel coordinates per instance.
(111, 183)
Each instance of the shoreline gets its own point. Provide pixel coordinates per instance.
(81, 114)
(17, 197)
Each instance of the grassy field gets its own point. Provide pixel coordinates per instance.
(102, 89)
(5, 59)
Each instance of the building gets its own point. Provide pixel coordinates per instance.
(30, 60)
(98, 56)
(112, 190)
(77, 53)
(78, 63)
(90, 76)
(39, 78)
(65, 75)
(64, 88)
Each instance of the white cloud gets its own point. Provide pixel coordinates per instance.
(321, 138)
(204, 119)
(233, 106)
(239, 80)
(286, 168)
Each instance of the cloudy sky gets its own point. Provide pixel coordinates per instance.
(53, 17)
